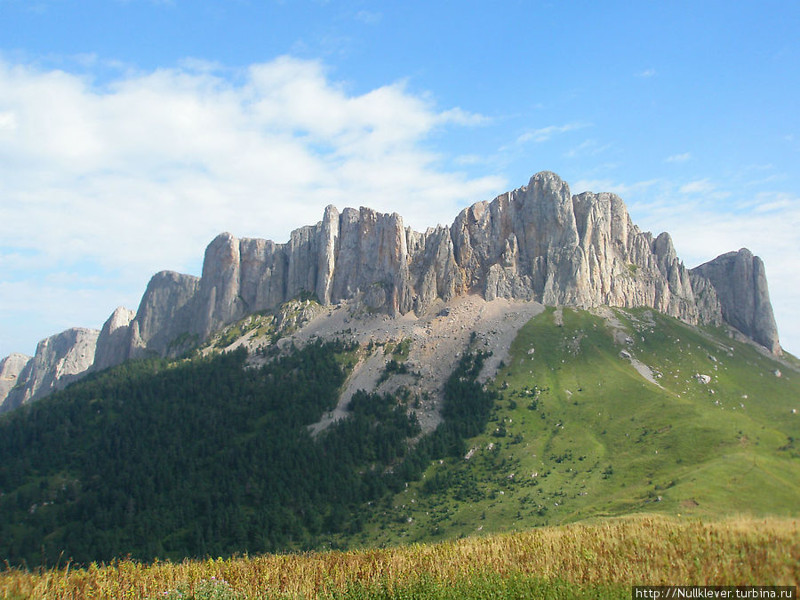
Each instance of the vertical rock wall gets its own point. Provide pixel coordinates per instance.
(537, 242)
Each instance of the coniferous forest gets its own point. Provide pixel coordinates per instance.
(208, 457)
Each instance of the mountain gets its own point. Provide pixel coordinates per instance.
(316, 427)
(609, 412)
(537, 243)
(540, 361)
(59, 360)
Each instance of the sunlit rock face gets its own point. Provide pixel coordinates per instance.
(538, 243)
(740, 281)
(59, 360)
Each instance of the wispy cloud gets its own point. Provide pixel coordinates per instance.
(646, 73)
(546, 133)
(587, 148)
(369, 17)
(609, 185)
(679, 158)
(8, 121)
(700, 186)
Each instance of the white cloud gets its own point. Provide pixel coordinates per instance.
(587, 148)
(678, 158)
(608, 185)
(646, 73)
(705, 188)
(369, 17)
(139, 174)
(700, 186)
(8, 121)
(546, 133)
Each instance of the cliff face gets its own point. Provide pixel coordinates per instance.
(166, 313)
(740, 281)
(113, 340)
(59, 360)
(10, 369)
(537, 242)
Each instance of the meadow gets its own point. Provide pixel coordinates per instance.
(577, 433)
(589, 478)
(599, 559)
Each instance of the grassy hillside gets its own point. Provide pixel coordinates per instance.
(579, 433)
(576, 561)
(594, 415)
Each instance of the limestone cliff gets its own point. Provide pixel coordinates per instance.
(59, 360)
(166, 314)
(538, 242)
(114, 339)
(740, 281)
(10, 369)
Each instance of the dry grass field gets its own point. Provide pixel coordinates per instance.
(596, 559)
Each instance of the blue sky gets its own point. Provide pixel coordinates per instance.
(133, 131)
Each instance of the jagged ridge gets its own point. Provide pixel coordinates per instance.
(537, 243)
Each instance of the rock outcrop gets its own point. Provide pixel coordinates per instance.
(166, 315)
(740, 282)
(537, 243)
(10, 369)
(59, 360)
(114, 339)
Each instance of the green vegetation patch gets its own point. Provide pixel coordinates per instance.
(576, 432)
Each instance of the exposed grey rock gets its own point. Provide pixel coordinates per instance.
(10, 368)
(262, 274)
(539, 242)
(59, 360)
(166, 315)
(113, 343)
(740, 282)
(536, 243)
(706, 299)
(218, 300)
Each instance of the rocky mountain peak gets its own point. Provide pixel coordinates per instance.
(10, 369)
(59, 360)
(536, 243)
(114, 339)
(740, 281)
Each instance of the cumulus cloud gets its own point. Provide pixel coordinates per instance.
(138, 174)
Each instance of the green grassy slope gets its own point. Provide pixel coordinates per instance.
(579, 433)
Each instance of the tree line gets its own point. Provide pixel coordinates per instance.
(210, 457)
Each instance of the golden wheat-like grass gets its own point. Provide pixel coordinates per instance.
(638, 550)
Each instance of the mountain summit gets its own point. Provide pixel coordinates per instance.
(537, 243)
